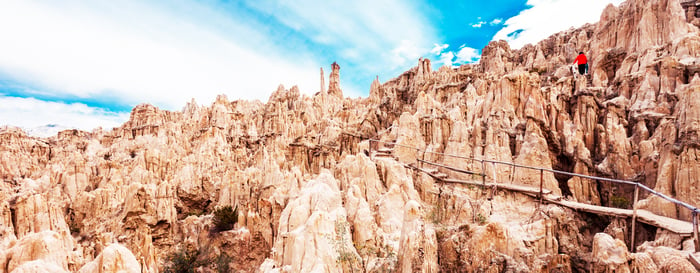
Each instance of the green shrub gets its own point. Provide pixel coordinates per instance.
(74, 228)
(183, 261)
(434, 215)
(223, 263)
(224, 218)
(345, 255)
(480, 219)
(619, 202)
(187, 260)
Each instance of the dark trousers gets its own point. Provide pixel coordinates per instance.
(582, 68)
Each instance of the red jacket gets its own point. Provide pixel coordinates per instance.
(581, 59)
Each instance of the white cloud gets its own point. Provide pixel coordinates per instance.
(496, 21)
(166, 53)
(30, 113)
(547, 17)
(446, 58)
(406, 52)
(478, 25)
(362, 24)
(439, 48)
(467, 55)
(141, 53)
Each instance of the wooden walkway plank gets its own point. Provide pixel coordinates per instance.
(680, 227)
(674, 225)
(589, 208)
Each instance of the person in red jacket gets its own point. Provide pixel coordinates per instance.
(582, 63)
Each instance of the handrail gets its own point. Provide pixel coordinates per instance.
(385, 131)
(663, 196)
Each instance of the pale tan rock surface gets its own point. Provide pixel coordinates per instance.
(114, 258)
(45, 247)
(610, 254)
(313, 196)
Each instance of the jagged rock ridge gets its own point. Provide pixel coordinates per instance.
(312, 200)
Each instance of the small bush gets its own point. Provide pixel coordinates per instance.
(345, 255)
(481, 219)
(74, 228)
(434, 215)
(224, 218)
(188, 260)
(183, 261)
(223, 263)
(195, 212)
(619, 202)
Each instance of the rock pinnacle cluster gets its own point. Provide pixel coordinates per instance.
(313, 194)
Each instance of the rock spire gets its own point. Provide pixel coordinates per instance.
(334, 81)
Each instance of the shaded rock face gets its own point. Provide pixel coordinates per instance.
(311, 197)
(692, 11)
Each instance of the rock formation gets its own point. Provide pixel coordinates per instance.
(312, 195)
(334, 81)
(692, 11)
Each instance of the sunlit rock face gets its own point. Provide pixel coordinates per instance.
(312, 196)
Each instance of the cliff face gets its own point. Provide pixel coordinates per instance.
(311, 199)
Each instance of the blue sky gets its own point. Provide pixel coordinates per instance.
(85, 64)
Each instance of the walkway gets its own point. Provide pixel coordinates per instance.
(683, 228)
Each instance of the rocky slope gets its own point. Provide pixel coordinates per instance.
(310, 199)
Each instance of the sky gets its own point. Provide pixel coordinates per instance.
(86, 64)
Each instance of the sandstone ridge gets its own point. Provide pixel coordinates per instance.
(315, 195)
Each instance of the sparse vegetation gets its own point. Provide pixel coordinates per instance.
(195, 212)
(74, 228)
(434, 215)
(619, 202)
(184, 260)
(224, 219)
(480, 219)
(345, 255)
(188, 260)
(223, 263)
(340, 242)
(540, 70)
(385, 252)
(73, 225)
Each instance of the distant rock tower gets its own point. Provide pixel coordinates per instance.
(334, 81)
(424, 70)
(323, 82)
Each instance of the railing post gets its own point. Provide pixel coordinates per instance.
(483, 172)
(695, 231)
(541, 182)
(634, 216)
(495, 181)
(419, 162)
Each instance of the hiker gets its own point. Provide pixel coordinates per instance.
(582, 63)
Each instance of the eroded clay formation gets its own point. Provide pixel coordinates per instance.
(313, 196)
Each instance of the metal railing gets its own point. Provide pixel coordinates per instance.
(694, 210)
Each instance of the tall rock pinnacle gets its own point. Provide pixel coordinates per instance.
(334, 81)
(323, 82)
(319, 178)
